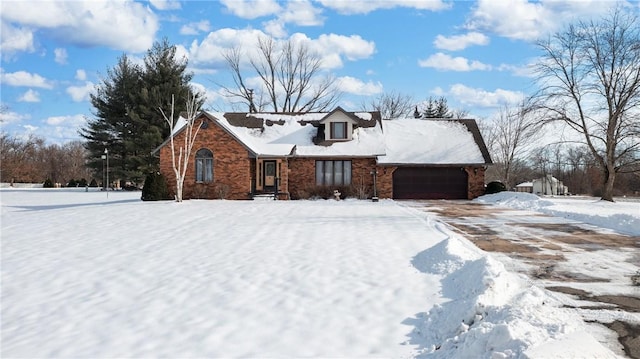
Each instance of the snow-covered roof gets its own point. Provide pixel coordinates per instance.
(525, 184)
(438, 142)
(293, 134)
(407, 141)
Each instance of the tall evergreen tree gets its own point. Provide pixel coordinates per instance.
(114, 102)
(128, 113)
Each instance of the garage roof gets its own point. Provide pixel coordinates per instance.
(433, 142)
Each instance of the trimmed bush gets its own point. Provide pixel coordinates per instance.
(72, 183)
(155, 188)
(93, 183)
(495, 187)
(48, 183)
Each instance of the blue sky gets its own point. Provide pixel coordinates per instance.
(477, 54)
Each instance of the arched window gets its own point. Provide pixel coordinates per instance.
(204, 165)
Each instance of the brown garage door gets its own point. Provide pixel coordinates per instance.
(429, 183)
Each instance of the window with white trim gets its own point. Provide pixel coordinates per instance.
(204, 165)
(333, 173)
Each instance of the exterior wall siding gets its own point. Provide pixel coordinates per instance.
(231, 166)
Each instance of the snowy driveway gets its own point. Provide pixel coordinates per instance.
(588, 267)
(86, 276)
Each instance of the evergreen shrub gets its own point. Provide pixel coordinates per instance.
(155, 188)
(495, 187)
(48, 183)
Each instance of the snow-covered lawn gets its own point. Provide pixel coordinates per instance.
(87, 276)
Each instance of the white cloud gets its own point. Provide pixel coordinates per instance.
(25, 79)
(460, 42)
(251, 9)
(81, 93)
(15, 39)
(62, 129)
(129, 26)
(211, 94)
(81, 75)
(61, 55)
(165, 4)
(443, 62)
(366, 6)
(10, 116)
(482, 98)
(29, 96)
(195, 28)
(212, 48)
(301, 13)
(275, 28)
(352, 47)
(332, 48)
(524, 20)
(355, 86)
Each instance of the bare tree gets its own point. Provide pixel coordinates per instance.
(509, 136)
(590, 81)
(180, 160)
(291, 77)
(392, 105)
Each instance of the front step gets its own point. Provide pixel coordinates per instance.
(264, 196)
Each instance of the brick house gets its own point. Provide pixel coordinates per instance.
(242, 155)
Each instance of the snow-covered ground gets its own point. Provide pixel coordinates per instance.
(87, 276)
(622, 216)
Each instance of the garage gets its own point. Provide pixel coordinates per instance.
(430, 183)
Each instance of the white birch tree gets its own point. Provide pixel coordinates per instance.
(180, 153)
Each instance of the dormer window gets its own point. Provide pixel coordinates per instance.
(338, 126)
(338, 130)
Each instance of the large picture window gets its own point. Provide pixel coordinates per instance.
(338, 130)
(333, 173)
(204, 165)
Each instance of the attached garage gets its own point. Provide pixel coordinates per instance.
(430, 183)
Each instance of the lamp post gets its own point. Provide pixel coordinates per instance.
(104, 181)
(374, 173)
(106, 154)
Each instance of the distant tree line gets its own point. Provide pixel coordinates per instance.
(31, 160)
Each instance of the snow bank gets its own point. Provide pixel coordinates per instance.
(493, 313)
(623, 217)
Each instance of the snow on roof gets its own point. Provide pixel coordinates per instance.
(525, 184)
(281, 133)
(414, 141)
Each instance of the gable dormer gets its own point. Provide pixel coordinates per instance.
(338, 125)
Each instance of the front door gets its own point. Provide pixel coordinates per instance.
(269, 174)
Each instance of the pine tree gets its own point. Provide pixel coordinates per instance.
(437, 108)
(114, 102)
(128, 105)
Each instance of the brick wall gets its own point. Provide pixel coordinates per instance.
(302, 174)
(385, 182)
(476, 181)
(231, 166)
